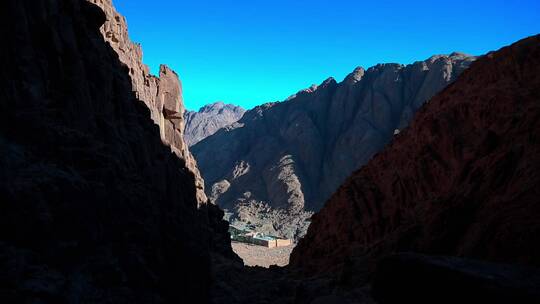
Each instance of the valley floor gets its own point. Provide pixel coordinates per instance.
(254, 255)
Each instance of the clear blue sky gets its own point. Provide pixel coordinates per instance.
(251, 52)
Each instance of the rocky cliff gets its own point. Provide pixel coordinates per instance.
(462, 180)
(94, 208)
(281, 161)
(162, 95)
(209, 119)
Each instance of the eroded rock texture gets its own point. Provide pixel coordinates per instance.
(209, 119)
(94, 208)
(162, 95)
(281, 161)
(462, 180)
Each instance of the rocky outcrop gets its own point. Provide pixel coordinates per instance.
(162, 95)
(462, 180)
(281, 161)
(93, 207)
(209, 119)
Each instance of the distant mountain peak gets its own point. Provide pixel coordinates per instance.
(459, 55)
(313, 88)
(216, 106)
(356, 75)
(327, 82)
(209, 119)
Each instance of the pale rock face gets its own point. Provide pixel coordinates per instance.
(209, 119)
(240, 169)
(284, 185)
(162, 95)
(218, 189)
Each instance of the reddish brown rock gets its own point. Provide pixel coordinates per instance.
(463, 179)
(162, 95)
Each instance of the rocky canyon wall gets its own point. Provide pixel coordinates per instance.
(162, 95)
(94, 208)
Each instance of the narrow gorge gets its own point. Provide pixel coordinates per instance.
(423, 179)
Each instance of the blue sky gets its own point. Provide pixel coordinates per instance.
(251, 52)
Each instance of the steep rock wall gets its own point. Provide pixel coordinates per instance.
(162, 95)
(94, 208)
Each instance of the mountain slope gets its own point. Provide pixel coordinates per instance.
(462, 180)
(281, 161)
(209, 119)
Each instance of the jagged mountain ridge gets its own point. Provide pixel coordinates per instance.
(208, 120)
(462, 180)
(281, 161)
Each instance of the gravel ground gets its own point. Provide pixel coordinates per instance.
(254, 255)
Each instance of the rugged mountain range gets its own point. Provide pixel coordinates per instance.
(209, 119)
(462, 180)
(281, 161)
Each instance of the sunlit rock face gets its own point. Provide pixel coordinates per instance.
(281, 161)
(162, 95)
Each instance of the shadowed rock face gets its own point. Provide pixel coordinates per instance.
(281, 161)
(94, 207)
(415, 278)
(209, 119)
(162, 95)
(462, 180)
